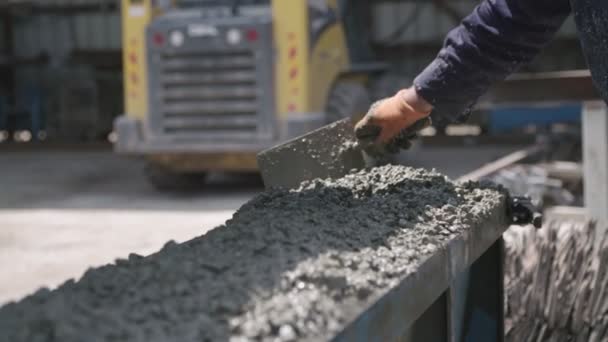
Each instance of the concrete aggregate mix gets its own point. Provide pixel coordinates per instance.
(290, 265)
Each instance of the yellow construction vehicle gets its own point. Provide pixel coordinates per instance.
(210, 83)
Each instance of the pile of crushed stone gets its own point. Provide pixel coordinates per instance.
(289, 265)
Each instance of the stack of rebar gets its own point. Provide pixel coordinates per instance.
(556, 285)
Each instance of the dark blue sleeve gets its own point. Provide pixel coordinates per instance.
(491, 43)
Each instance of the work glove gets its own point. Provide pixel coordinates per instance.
(393, 122)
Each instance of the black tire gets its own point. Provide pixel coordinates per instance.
(347, 99)
(166, 180)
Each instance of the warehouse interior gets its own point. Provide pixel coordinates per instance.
(124, 151)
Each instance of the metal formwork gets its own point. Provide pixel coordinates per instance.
(455, 295)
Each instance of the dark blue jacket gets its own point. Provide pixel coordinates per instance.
(497, 38)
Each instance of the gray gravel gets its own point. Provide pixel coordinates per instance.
(290, 265)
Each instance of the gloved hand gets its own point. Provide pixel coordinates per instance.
(394, 121)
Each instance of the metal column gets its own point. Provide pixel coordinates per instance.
(472, 309)
(595, 162)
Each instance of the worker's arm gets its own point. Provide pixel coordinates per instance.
(489, 44)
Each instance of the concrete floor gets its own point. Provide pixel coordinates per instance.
(62, 212)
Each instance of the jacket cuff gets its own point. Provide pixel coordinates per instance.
(438, 88)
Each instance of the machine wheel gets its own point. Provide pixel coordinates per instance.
(167, 180)
(347, 99)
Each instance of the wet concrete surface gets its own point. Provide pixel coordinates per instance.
(64, 211)
(289, 265)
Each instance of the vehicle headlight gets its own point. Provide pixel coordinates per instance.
(234, 36)
(177, 38)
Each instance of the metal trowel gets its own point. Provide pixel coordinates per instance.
(331, 151)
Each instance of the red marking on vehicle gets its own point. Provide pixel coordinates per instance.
(293, 52)
(158, 39)
(133, 58)
(291, 107)
(252, 35)
(293, 73)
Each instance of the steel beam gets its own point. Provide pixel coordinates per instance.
(548, 87)
(519, 156)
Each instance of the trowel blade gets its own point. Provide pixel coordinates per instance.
(328, 152)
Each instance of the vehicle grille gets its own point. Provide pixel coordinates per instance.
(214, 93)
